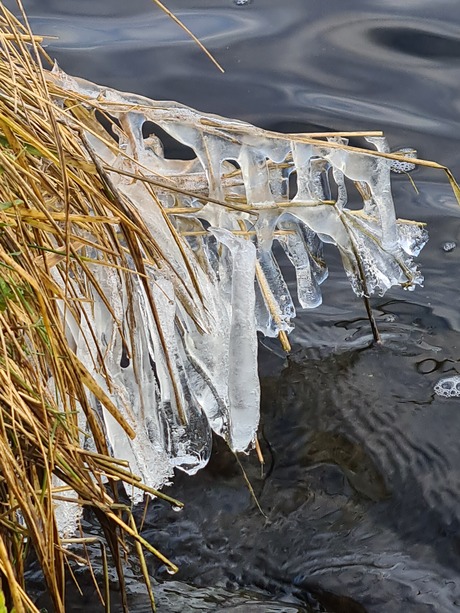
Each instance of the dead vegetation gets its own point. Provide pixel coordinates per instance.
(58, 208)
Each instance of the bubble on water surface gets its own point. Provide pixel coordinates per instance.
(449, 387)
(449, 246)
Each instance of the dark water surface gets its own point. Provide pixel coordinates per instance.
(361, 490)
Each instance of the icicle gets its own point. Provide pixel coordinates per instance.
(307, 276)
(243, 382)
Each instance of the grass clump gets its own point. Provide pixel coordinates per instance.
(54, 209)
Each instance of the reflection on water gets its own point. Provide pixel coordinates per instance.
(332, 447)
(436, 44)
(339, 66)
(362, 476)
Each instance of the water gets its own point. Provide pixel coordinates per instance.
(361, 484)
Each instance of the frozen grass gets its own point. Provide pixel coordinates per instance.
(51, 200)
(58, 208)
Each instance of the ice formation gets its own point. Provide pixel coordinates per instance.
(180, 346)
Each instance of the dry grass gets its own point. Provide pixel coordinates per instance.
(53, 206)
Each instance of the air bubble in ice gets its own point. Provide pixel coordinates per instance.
(449, 387)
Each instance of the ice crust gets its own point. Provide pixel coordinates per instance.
(180, 355)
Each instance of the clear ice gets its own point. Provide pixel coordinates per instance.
(176, 349)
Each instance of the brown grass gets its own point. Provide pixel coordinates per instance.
(55, 206)
(51, 200)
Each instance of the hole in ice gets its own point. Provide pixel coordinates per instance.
(354, 200)
(154, 370)
(280, 188)
(235, 165)
(293, 188)
(230, 171)
(107, 122)
(173, 149)
(124, 361)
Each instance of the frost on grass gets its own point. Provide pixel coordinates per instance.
(179, 341)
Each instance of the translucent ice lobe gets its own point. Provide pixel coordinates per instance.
(301, 156)
(293, 243)
(207, 352)
(412, 237)
(275, 293)
(132, 387)
(314, 247)
(243, 381)
(382, 269)
(187, 430)
(161, 438)
(207, 367)
(375, 172)
(255, 175)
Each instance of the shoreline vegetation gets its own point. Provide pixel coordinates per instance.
(66, 226)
